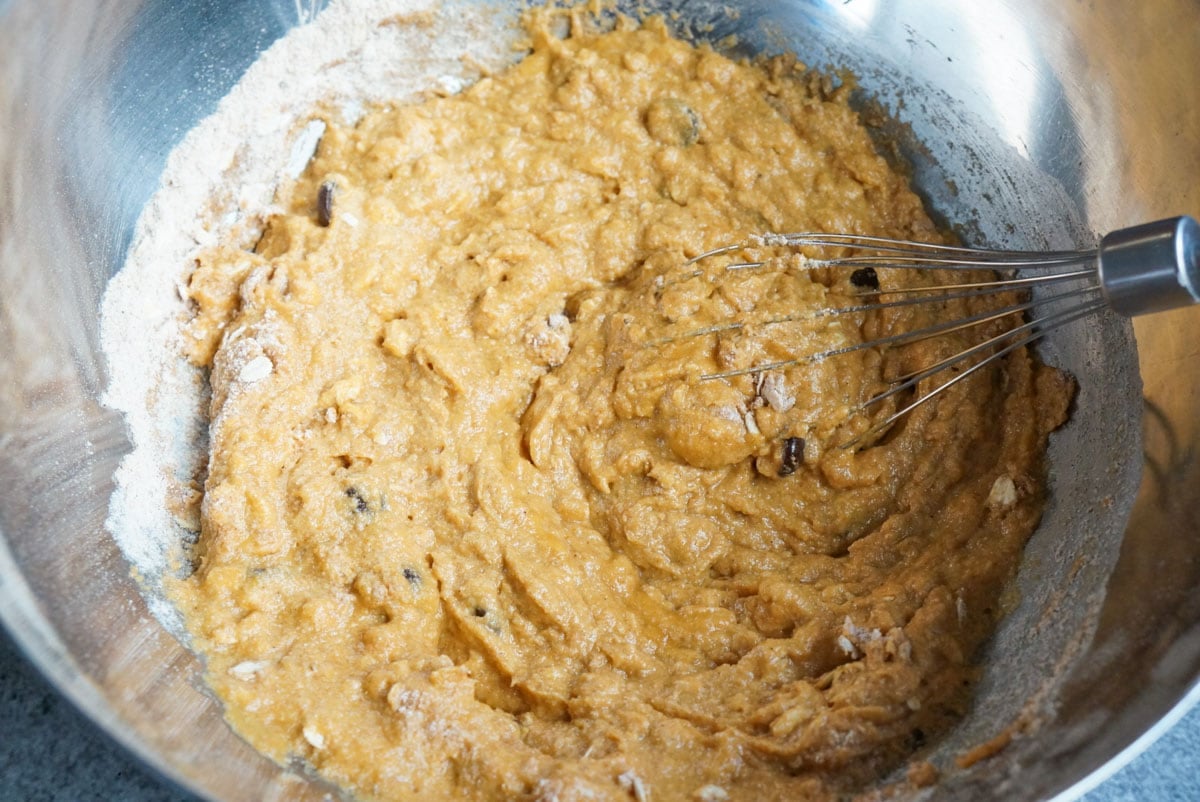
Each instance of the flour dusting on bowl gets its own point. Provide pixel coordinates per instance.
(220, 184)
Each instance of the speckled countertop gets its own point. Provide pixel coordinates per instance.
(51, 753)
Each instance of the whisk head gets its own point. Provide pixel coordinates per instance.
(1067, 287)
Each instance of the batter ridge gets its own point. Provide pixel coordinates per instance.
(472, 528)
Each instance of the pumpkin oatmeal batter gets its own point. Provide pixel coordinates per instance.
(472, 526)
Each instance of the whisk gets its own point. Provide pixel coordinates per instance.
(1133, 271)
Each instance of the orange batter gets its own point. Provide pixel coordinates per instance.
(472, 526)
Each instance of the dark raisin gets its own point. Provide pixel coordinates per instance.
(672, 122)
(793, 455)
(412, 575)
(691, 133)
(360, 503)
(866, 278)
(480, 612)
(325, 203)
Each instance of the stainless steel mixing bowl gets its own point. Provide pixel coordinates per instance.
(1031, 123)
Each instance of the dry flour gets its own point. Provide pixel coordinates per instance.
(220, 185)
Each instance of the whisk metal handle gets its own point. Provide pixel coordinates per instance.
(1151, 267)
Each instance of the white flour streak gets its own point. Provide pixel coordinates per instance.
(219, 185)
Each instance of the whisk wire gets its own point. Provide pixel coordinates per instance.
(956, 254)
(1137, 270)
(1047, 323)
(959, 324)
(998, 285)
(1044, 327)
(903, 338)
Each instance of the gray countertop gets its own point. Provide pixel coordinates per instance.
(48, 751)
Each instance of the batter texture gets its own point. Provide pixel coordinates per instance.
(474, 528)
